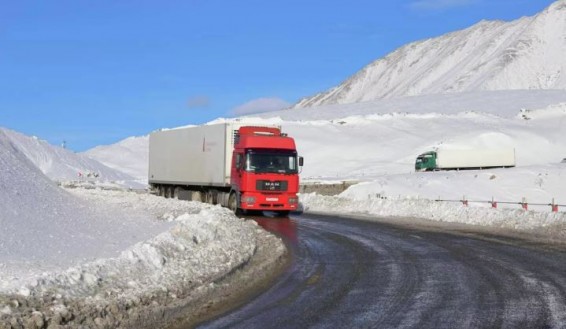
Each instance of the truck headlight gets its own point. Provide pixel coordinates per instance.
(249, 199)
(293, 200)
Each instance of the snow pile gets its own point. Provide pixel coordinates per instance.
(42, 227)
(527, 53)
(130, 156)
(61, 164)
(202, 245)
(205, 243)
(546, 224)
(534, 184)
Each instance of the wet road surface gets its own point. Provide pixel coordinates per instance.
(356, 274)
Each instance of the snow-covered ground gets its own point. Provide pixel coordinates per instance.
(196, 246)
(544, 225)
(85, 256)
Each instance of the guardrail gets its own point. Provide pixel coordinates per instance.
(523, 203)
(326, 189)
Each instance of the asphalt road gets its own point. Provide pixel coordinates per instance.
(356, 274)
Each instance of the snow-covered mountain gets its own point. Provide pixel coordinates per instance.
(528, 53)
(129, 156)
(60, 164)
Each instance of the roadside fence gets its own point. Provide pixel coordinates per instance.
(523, 203)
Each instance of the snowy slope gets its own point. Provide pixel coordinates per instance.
(61, 164)
(504, 103)
(46, 227)
(129, 156)
(492, 55)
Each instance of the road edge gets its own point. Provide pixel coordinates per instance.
(235, 289)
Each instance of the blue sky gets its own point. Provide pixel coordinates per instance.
(95, 72)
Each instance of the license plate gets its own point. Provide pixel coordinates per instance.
(272, 199)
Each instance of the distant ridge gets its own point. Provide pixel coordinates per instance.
(130, 156)
(528, 53)
(60, 164)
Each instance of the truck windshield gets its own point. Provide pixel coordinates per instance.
(271, 161)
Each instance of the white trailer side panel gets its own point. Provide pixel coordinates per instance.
(199, 155)
(475, 158)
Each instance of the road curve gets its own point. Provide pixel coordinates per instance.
(356, 274)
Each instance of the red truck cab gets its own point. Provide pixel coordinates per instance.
(264, 171)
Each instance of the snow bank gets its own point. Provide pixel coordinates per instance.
(201, 240)
(537, 184)
(548, 224)
(203, 245)
(43, 228)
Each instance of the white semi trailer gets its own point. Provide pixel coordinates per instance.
(191, 156)
(452, 159)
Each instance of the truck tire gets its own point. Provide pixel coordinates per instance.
(233, 204)
(211, 197)
(168, 192)
(177, 192)
(196, 196)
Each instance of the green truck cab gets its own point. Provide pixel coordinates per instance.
(426, 161)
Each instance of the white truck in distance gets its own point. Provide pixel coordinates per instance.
(453, 159)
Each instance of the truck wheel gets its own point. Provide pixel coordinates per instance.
(161, 191)
(207, 197)
(196, 196)
(177, 192)
(233, 204)
(168, 192)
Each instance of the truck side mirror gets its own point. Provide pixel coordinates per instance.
(301, 161)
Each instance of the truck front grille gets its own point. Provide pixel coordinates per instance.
(266, 185)
(275, 205)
